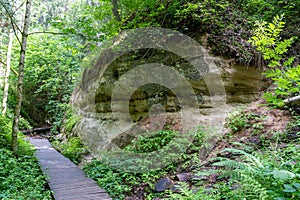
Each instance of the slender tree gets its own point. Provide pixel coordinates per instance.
(1, 64)
(15, 129)
(7, 73)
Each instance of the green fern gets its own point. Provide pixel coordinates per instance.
(248, 156)
(186, 193)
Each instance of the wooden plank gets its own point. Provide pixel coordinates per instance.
(65, 179)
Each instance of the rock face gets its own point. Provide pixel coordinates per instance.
(112, 114)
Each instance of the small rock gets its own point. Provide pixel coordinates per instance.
(183, 177)
(163, 184)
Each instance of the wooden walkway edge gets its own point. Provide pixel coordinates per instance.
(66, 180)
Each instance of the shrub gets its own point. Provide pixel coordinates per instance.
(151, 143)
(286, 77)
(273, 174)
(5, 125)
(73, 148)
(21, 178)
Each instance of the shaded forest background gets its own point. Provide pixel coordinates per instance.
(62, 33)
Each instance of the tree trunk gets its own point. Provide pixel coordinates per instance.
(115, 10)
(0, 61)
(15, 130)
(7, 72)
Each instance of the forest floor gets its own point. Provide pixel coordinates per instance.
(262, 123)
(253, 125)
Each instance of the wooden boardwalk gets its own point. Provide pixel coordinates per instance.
(66, 180)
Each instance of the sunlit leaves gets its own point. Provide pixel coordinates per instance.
(52, 67)
(281, 70)
(267, 40)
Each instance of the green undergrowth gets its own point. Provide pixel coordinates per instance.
(240, 120)
(269, 170)
(268, 174)
(249, 171)
(20, 176)
(282, 69)
(120, 184)
(72, 148)
(149, 144)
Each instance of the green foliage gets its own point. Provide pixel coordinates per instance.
(52, 67)
(272, 99)
(5, 136)
(240, 120)
(70, 120)
(266, 39)
(286, 77)
(273, 174)
(24, 147)
(119, 184)
(5, 130)
(5, 125)
(265, 10)
(95, 22)
(72, 148)
(24, 124)
(292, 130)
(152, 142)
(21, 178)
(228, 26)
(150, 13)
(185, 193)
(206, 12)
(287, 83)
(109, 179)
(89, 23)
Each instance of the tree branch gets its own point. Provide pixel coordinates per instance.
(47, 32)
(12, 69)
(2, 62)
(19, 7)
(292, 99)
(13, 23)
